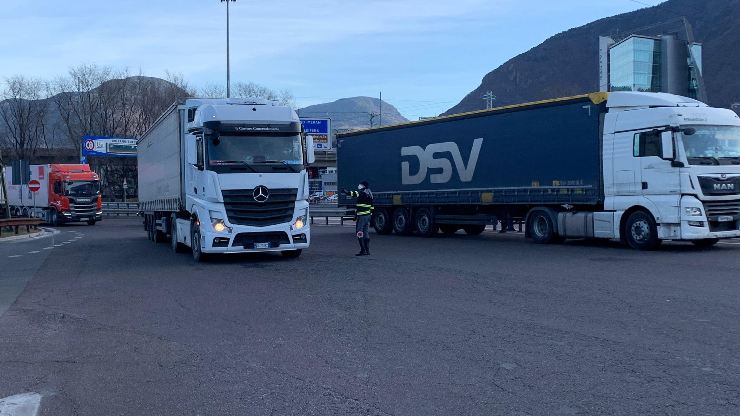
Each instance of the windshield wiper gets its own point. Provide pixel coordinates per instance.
(281, 162)
(735, 160)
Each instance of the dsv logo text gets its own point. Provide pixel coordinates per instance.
(436, 156)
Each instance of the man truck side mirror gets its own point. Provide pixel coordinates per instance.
(666, 139)
(310, 155)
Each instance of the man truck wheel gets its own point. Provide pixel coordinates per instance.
(640, 231)
(474, 229)
(706, 243)
(424, 222)
(291, 254)
(382, 222)
(401, 222)
(541, 228)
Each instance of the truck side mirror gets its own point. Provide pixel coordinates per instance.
(310, 155)
(666, 139)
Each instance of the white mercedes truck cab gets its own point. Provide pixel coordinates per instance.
(226, 176)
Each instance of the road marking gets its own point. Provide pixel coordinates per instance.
(26, 404)
(729, 244)
(15, 257)
(57, 245)
(34, 252)
(47, 248)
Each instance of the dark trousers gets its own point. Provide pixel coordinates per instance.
(362, 227)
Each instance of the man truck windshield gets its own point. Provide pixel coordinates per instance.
(255, 150)
(713, 145)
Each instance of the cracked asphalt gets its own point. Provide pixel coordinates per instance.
(112, 324)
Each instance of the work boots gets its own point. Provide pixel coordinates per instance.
(367, 246)
(362, 247)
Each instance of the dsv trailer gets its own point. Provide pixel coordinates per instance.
(640, 167)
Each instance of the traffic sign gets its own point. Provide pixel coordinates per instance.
(34, 185)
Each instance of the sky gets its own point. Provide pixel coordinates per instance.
(423, 55)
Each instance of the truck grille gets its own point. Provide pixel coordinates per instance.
(82, 210)
(248, 240)
(717, 209)
(243, 209)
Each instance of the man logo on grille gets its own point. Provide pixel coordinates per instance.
(261, 193)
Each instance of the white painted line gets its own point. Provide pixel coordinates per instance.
(57, 245)
(34, 252)
(47, 248)
(729, 244)
(14, 257)
(26, 404)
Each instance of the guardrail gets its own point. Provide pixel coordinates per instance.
(331, 211)
(15, 223)
(120, 209)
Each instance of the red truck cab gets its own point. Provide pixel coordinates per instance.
(74, 194)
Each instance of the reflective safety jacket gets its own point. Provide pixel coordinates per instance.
(364, 205)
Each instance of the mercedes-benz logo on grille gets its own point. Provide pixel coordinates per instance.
(261, 193)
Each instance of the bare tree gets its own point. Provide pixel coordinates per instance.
(22, 114)
(212, 91)
(253, 90)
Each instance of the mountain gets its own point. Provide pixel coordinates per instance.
(354, 113)
(567, 63)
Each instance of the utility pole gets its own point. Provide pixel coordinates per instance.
(380, 122)
(489, 99)
(228, 69)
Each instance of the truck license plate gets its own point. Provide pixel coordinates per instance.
(725, 218)
(261, 245)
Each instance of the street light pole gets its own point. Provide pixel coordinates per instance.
(228, 71)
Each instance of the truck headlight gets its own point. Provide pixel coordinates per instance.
(301, 221)
(217, 222)
(693, 212)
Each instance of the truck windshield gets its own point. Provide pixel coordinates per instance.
(82, 188)
(255, 150)
(713, 145)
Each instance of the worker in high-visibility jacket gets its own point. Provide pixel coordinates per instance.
(363, 211)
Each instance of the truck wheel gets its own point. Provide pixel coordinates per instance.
(174, 244)
(541, 228)
(382, 222)
(449, 228)
(641, 233)
(706, 243)
(401, 221)
(148, 223)
(474, 229)
(91, 222)
(424, 222)
(53, 218)
(291, 254)
(198, 254)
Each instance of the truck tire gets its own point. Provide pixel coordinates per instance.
(174, 244)
(541, 228)
(382, 222)
(424, 222)
(475, 229)
(291, 254)
(449, 228)
(401, 221)
(706, 243)
(53, 217)
(148, 224)
(198, 255)
(641, 232)
(91, 222)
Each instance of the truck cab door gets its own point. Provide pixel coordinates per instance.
(625, 167)
(658, 176)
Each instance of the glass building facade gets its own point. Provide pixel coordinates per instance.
(635, 65)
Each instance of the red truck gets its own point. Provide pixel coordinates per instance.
(67, 193)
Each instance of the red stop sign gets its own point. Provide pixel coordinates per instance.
(34, 185)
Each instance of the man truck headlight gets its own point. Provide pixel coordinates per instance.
(693, 212)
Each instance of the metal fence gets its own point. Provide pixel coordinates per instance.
(120, 209)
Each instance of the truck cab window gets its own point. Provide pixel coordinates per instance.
(57, 187)
(199, 150)
(647, 144)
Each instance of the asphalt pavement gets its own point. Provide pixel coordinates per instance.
(112, 324)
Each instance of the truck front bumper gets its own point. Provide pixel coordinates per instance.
(74, 217)
(712, 223)
(256, 240)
